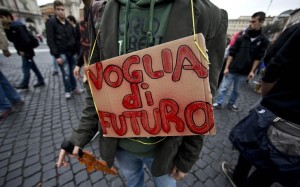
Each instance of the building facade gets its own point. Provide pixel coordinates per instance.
(236, 25)
(27, 11)
(293, 18)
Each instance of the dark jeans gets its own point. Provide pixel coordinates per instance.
(27, 64)
(259, 178)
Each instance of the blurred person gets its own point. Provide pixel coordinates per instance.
(76, 28)
(269, 137)
(85, 46)
(8, 95)
(63, 45)
(54, 66)
(17, 33)
(243, 59)
(179, 153)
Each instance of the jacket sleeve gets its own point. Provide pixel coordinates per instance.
(89, 121)
(95, 12)
(50, 33)
(3, 39)
(88, 124)
(283, 50)
(191, 146)
(236, 46)
(216, 45)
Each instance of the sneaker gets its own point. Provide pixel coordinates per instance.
(227, 170)
(7, 112)
(217, 105)
(68, 95)
(77, 91)
(39, 84)
(233, 108)
(54, 73)
(18, 103)
(21, 87)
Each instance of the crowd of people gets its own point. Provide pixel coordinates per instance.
(268, 138)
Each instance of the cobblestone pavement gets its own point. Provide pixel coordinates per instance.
(30, 138)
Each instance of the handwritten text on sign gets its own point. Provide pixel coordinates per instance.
(159, 91)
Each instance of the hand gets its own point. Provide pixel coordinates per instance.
(61, 159)
(76, 72)
(226, 72)
(177, 174)
(59, 61)
(6, 53)
(251, 76)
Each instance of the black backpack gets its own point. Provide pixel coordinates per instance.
(34, 43)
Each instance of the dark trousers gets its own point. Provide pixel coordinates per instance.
(259, 178)
(27, 64)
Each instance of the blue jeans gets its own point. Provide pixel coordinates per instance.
(8, 94)
(67, 72)
(27, 64)
(237, 81)
(54, 65)
(132, 168)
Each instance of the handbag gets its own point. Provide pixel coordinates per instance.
(265, 140)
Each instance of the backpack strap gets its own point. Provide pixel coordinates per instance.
(95, 13)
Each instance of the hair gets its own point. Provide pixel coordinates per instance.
(6, 12)
(57, 3)
(261, 16)
(72, 18)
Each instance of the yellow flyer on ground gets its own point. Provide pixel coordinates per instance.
(159, 91)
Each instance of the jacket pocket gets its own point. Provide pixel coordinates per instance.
(284, 142)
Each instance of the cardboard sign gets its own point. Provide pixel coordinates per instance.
(159, 91)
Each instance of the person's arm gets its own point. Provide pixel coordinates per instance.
(4, 42)
(284, 50)
(50, 33)
(252, 72)
(79, 64)
(86, 130)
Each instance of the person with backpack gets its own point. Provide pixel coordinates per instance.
(63, 44)
(24, 43)
(168, 158)
(9, 97)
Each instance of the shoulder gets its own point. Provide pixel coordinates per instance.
(96, 5)
(211, 16)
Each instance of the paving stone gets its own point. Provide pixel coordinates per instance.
(96, 176)
(33, 180)
(15, 182)
(3, 163)
(13, 174)
(2, 181)
(65, 178)
(101, 183)
(70, 184)
(46, 150)
(49, 183)
(81, 176)
(49, 175)
(33, 169)
(17, 157)
(15, 165)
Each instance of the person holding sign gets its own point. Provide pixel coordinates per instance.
(121, 63)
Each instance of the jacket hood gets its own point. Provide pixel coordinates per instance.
(16, 23)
